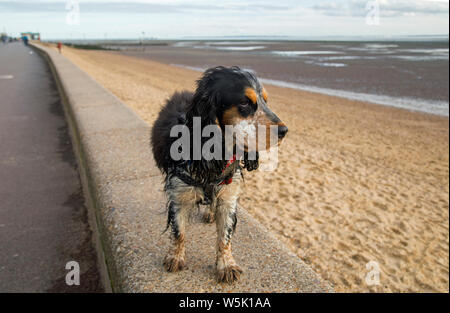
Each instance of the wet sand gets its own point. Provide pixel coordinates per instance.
(356, 182)
(400, 70)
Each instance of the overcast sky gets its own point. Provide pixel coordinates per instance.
(204, 18)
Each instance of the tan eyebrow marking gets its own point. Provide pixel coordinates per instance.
(251, 94)
(264, 94)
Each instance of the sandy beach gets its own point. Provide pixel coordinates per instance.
(356, 182)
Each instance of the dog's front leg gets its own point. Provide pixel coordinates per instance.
(227, 269)
(175, 258)
(182, 200)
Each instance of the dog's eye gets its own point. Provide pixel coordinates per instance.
(246, 107)
(247, 102)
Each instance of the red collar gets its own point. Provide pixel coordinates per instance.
(229, 180)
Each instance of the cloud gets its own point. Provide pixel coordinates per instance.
(388, 8)
(199, 18)
(143, 6)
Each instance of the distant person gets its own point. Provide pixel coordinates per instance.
(59, 46)
(25, 40)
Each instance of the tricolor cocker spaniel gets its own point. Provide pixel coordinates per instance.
(207, 168)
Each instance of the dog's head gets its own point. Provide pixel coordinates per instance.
(234, 97)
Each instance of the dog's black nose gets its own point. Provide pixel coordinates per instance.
(282, 131)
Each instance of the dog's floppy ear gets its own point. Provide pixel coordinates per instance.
(204, 105)
(206, 100)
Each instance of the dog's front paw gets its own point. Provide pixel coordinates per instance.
(229, 274)
(251, 164)
(209, 217)
(173, 264)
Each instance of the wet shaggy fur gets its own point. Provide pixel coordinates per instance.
(221, 93)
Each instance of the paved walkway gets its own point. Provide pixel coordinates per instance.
(43, 220)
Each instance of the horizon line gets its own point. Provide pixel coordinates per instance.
(263, 37)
